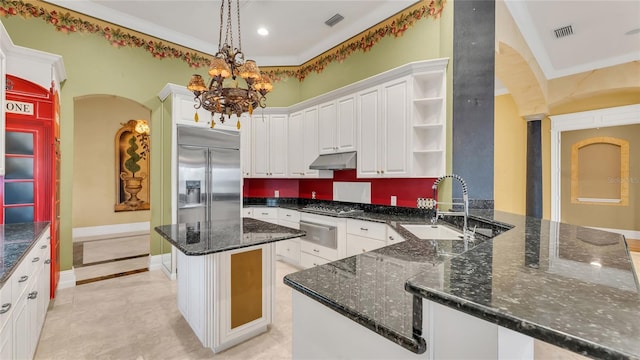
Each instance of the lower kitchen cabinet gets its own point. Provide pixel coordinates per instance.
(227, 297)
(289, 250)
(364, 236)
(25, 298)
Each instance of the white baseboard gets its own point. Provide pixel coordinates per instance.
(67, 279)
(110, 231)
(155, 262)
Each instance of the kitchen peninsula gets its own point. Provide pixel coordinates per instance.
(566, 285)
(226, 277)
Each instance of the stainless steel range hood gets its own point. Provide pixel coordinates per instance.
(340, 161)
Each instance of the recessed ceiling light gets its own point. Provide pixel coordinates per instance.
(263, 31)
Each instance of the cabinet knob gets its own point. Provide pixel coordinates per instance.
(48, 261)
(363, 250)
(316, 250)
(35, 259)
(5, 308)
(381, 171)
(391, 238)
(23, 278)
(43, 247)
(33, 295)
(364, 229)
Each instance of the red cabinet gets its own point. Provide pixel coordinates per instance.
(31, 185)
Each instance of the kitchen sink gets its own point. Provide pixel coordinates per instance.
(433, 232)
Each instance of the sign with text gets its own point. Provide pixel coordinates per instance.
(18, 107)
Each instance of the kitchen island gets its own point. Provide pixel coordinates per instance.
(566, 285)
(226, 277)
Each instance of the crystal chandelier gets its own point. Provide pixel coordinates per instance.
(223, 95)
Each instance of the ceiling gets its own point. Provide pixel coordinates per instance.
(605, 33)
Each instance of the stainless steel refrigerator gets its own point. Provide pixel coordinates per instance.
(209, 177)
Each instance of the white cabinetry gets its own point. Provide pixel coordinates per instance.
(289, 250)
(208, 295)
(364, 236)
(383, 123)
(303, 144)
(312, 254)
(245, 145)
(25, 298)
(269, 135)
(266, 214)
(185, 113)
(428, 121)
(337, 125)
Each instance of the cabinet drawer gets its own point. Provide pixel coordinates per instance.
(288, 215)
(317, 250)
(289, 249)
(21, 277)
(308, 260)
(265, 213)
(247, 212)
(359, 244)
(368, 229)
(6, 303)
(393, 237)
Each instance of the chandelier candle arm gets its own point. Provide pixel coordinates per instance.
(229, 62)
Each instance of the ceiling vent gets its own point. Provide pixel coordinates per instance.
(334, 20)
(563, 31)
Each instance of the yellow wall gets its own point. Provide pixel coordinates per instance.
(97, 119)
(510, 157)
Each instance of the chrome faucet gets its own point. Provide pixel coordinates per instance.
(465, 204)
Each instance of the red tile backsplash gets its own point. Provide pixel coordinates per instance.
(407, 190)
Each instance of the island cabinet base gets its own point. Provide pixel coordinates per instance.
(321, 333)
(227, 297)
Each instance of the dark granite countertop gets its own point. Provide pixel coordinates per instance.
(15, 242)
(208, 238)
(567, 285)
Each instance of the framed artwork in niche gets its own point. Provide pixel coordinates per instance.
(132, 166)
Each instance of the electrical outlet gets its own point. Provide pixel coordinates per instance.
(276, 193)
(313, 194)
(394, 200)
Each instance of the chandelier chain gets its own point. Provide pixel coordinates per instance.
(229, 35)
(239, 34)
(220, 34)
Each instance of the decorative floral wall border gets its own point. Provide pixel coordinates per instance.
(68, 22)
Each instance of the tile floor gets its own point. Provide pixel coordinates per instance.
(136, 317)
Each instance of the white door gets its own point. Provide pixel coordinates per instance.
(346, 124)
(309, 141)
(278, 145)
(260, 137)
(368, 123)
(327, 130)
(296, 144)
(395, 118)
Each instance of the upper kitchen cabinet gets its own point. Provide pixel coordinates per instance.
(245, 145)
(184, 112)
(402, 122)
(337, 125)
(383, 121)
(303, 143)
(269, 140)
